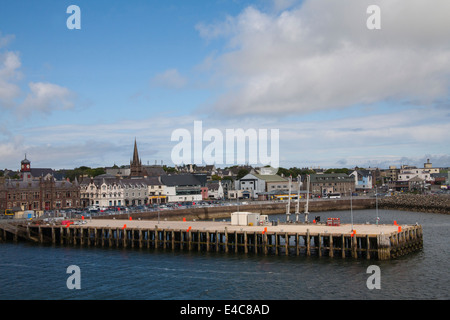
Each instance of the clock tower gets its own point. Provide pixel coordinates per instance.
(25, 170)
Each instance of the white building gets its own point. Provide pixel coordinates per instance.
(408, 172)
(363, 179)
(184, 187)
(215, 190)
(255, 183)
(108, 191)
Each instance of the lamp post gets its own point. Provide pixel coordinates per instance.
(376, 202)
(351, 207)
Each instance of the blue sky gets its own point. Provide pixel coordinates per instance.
(340, 94)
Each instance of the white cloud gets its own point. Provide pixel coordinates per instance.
(170, 78)
(5, 40)
(9, 74)
(46, 97)
(362, 140)
(320, 56)
(42, 97)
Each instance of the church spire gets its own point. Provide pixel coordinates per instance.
(136, 169)
(135, 154)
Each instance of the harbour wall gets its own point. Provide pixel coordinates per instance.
(268, 208)
(436, 203)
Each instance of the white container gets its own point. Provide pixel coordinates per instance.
(245, 218)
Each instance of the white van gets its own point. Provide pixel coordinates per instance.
(334, 195)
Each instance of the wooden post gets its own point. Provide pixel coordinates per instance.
(379, 249)
(156, 237)
(41, 238)
(354, 245)
(308, 245)
(320, 244)
(189, 234)
(53, 235)
(297, 244)
(343, 246)
(331, 254)
(245, 242)
(235, 242)
(226, 239)
(81, 236)
(368, 247)
(164, 234)
(125, 236)
(110, 237)
(265, 243)
(217, 240)
(286, 243)
(276, 243)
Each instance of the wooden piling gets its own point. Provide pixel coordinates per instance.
(308, 244)
(226, 240)
(366, 246)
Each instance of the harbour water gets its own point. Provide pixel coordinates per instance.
(33, 271)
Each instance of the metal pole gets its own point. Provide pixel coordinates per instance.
(351, 207)
(307, 198)
(376, 203)
(288, 209)
(297, 206)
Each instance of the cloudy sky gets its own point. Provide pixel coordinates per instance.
(339, 93)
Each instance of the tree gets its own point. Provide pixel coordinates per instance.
(83, 170)
(338, 170)
(242, 173)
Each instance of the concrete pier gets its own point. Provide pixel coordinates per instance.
(380, 242)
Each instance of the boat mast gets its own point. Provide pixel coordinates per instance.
(288, 208)
(376, 196)
(307, 198)
(297, 206)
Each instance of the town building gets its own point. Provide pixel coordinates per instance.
(408, 172)
(184, 187)
(265, 180)
(110, 191)
(326, 183)
(38, 193)
(215, 190)
(363, 179)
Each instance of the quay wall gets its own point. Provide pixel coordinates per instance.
(407, 202)
(417, 202)
(221, 212)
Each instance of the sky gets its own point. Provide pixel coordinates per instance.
(339, 94)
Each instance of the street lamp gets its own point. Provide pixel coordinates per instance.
(351, 207)
(376, 202)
